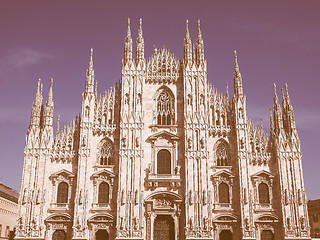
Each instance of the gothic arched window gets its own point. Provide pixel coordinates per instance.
(62, 196)
(106, 154)
(164, 109)
(164, 162)
(222, 154)
(224, 193)
(103, 196)
(263, 193)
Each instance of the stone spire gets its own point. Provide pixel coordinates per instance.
(237, 79)
(128, 45)
(187, 50)
(289, 110)
(199, 46)
(140, 44)
(277, 112)
(58, 126)
(37, 106)
(271, 123)
(48, 114)
(89, 85)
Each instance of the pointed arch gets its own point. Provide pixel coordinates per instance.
(106, 153)
(222, 153)
(165, 106)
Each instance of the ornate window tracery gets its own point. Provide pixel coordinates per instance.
(106, 154)
(165, 108)
(62, 195)
(222, 154)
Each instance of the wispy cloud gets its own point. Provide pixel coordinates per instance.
(18, 58)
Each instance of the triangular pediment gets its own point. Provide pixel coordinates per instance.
(103, 172)
(62, 172)
(261, 173)
(164, 134)
(223, 172)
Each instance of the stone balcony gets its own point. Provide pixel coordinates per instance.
(156, 180)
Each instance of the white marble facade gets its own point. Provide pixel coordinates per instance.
(162, 155)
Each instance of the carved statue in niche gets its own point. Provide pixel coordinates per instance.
(189, 143)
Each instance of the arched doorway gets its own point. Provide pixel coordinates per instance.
(225, 235)
(102, 235)
(267, 235)
(59, 235)
(163, 228)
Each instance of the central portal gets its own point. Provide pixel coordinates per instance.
(102, 235)
(163, 228)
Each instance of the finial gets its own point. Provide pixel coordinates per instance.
(51, 82)
(187, 29)
(236, 64)
(128, 30)
(39, 82)
(286, 86)
(275, 89)
(91, 61)
(140, 31)
(198, 23)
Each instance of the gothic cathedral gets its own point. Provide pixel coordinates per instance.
(163, 155)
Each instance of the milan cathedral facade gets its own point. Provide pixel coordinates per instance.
(163, 155)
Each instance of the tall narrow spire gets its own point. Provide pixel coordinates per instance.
(271, 122)
(277, 112)
(140, 44)
(199, 46)
(58, 126)
(89, 85)
(128, 44)
(238, 89)
(289, 110)
(187, 45)
(48, 113)
(37, 106)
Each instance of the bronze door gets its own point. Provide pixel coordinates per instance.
(163, 228)
(102, 235)
(59, 235)
(267, 235)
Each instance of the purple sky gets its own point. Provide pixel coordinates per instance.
(276, 41)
